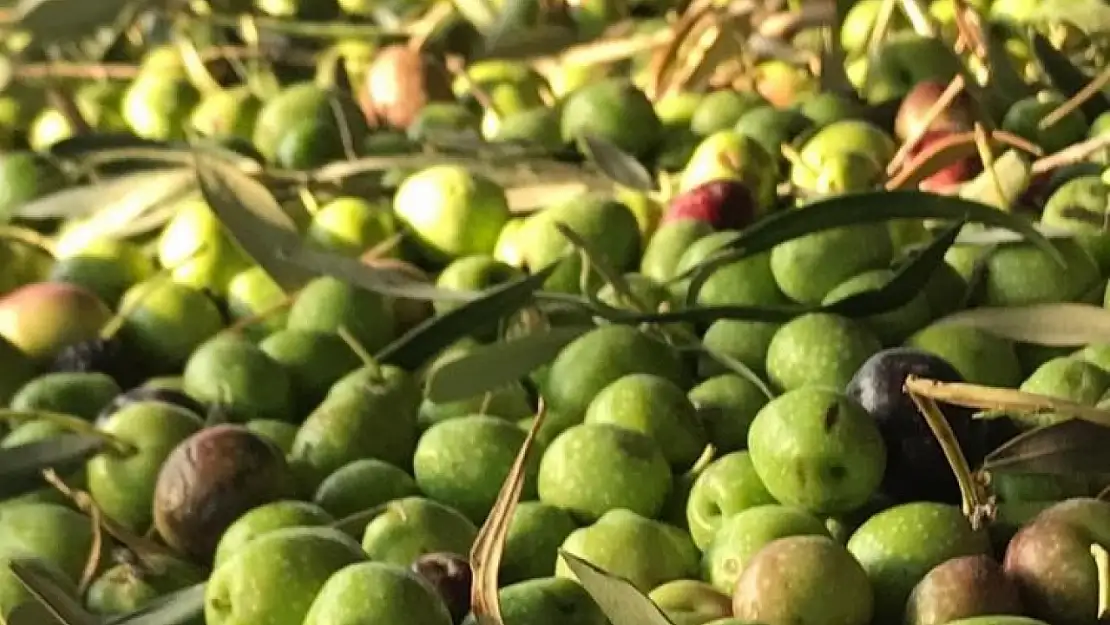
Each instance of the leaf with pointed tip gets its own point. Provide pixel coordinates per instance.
(908, 281)
(619, 166)
(995, 236)
(621, 602)
(1063, 324)
(599, 264)
(854, 209)
(498, 364)
(1067, 78)
(80, 146)
(430, 337)
(21, 466)
(179, 608)
(384, 280)
(253, 218)
(128, 195)
(1064, 448)
(38, 579)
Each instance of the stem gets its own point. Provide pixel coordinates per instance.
(356, 347)
(970, 496)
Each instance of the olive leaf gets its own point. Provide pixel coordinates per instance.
(1063, 448)
(492, 366)
(854, 209)
(384, 280)
(620, 167)
(485, 554)
(1067, 78)
(38, 579)
(621, 602)
(32, 613)
(427, 339)
(1004, 82)
(736, 367)
(82, 146)
(996, 236)
(1013, 173)
(54, 21)
(123, 197)
(992, 398)
(178, 608)
(907, 283)
(1064, 324)
(21, 466)
(599, 264)
(253, 218)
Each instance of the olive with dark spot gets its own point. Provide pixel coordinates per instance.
(210, 480)
(450, 575)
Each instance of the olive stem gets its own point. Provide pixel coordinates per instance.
(74, 424)
(1102, 563)
(971, 501)
(353, 523)
(363, 354)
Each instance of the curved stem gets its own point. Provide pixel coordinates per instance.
(970, 493)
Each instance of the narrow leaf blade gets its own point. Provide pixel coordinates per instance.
(37, 578)
(621, 602)
(907, 282)
(617, 165)
(428, 338)
(179, 608)
(1064, 448)
(21, 466)
(493, 366)
(861, 208)
(389, 282)
(1057, 325)
(253, 218)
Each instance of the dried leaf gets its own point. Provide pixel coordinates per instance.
(38, 579)
(495, 365)
(1064, 448)
(179, 608)
(433, 335)
(253, 218)
(1002, 399)
(485, 555)
(621, 602)
(1063, 324)
(621, 167)
(1013, 172)
(21, 466)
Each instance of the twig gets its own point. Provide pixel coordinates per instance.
(1088, 91)
(939, 106)
(1072, 154)
(787, 24)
